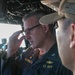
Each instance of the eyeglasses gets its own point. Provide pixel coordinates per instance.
(29, 29)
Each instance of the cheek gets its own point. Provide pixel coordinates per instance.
(63, 42)
(35, 36)
(38, 37)
(60, 37)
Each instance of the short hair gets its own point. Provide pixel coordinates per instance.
(37, 12)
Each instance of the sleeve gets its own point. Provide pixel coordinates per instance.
(9, 67)
(15, 64)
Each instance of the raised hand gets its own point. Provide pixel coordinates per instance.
(14, 43)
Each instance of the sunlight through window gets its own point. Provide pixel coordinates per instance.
(6, 30)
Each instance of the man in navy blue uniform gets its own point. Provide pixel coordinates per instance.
(43, 58)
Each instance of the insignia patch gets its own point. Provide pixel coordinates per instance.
(47, 66)
(49, 62)
(28, 60)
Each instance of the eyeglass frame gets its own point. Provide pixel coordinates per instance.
(29, 29)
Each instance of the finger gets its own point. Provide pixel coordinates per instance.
(21, 39)
(16, 34)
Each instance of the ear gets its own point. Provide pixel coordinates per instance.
(45, 28)
(72, 44)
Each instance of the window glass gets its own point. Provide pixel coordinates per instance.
(6, 30)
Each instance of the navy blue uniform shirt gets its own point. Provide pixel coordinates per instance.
(48, 64)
